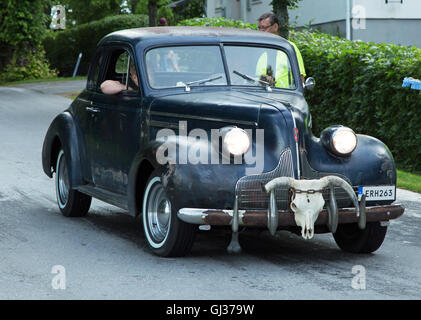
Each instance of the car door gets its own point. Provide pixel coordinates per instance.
(115, 130)
(83, 111)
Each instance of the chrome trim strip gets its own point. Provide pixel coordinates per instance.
(164, 124)
(296, 144)
(198, 216)
(186, 116)
(84, 100)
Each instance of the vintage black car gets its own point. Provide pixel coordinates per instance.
(210, 127)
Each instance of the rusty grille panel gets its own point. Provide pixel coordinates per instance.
(249, 188)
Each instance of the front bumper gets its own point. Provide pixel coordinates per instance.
(259, 218)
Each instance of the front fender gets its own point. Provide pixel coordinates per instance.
(145, 160)
(370, 164)
(187, 185)
(63, 133)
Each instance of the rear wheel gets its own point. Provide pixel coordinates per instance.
(165, 234)
(350, 238)
(72, 203)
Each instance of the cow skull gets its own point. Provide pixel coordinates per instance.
(307, 206)
(307, 201)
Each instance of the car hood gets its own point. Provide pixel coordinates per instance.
(229, 106)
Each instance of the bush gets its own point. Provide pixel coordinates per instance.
(217, 22)
(63, 47)
(29, 65)
(359, 84)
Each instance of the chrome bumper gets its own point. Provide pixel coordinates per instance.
(259, 218)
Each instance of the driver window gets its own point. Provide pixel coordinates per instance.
(121, 74)
(94, 72)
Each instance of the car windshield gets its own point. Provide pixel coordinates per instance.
(186, 66)
(251, 66)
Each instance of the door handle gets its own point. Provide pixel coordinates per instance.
(92, 109)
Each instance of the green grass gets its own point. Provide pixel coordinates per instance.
(409, 181)
(43, 80)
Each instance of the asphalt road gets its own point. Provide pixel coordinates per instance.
(104, 255)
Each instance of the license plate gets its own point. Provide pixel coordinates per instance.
(377, 193)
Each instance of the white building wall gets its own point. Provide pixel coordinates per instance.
(318, 11)
(392, 22)
(322, 11)
(378, 9)
(257, 8)
(236, 9)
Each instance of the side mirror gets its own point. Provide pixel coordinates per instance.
(309, 84)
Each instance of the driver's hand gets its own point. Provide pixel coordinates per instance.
(267, 78)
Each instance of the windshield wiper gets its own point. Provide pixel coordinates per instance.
(203, 80)
(254, 80)
(187, 85)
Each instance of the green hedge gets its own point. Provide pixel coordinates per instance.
(217, 22)
(63, 47)
(359, 85)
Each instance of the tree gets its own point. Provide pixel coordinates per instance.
(22, 26)
(152, 9)
(280, 8)
(192, 9)
(82, 11)
(132, 4)
(159, 8)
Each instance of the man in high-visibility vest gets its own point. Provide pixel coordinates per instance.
(268, 22)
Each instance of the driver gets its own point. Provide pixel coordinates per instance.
(114, 87)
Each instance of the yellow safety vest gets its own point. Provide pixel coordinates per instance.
(283, 75)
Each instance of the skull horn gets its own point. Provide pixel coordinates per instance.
(273, 218)
(279, 182)
(332, 210)
(334, 181)
(339, 182)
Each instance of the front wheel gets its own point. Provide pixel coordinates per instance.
(165, 234)
(72, 203)
(352, 239)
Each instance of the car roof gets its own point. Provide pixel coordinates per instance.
(158, 35)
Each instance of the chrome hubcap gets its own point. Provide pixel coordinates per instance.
(159, 213)
(62, 181)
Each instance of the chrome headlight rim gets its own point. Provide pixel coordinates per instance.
(339, 140)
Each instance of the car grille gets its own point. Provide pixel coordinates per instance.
(252, 196)
(249, 188)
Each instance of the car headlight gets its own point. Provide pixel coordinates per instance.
(340, 140)
(236, 141)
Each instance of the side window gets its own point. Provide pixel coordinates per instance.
(121, 66)
(121, 69)
(95, 71)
